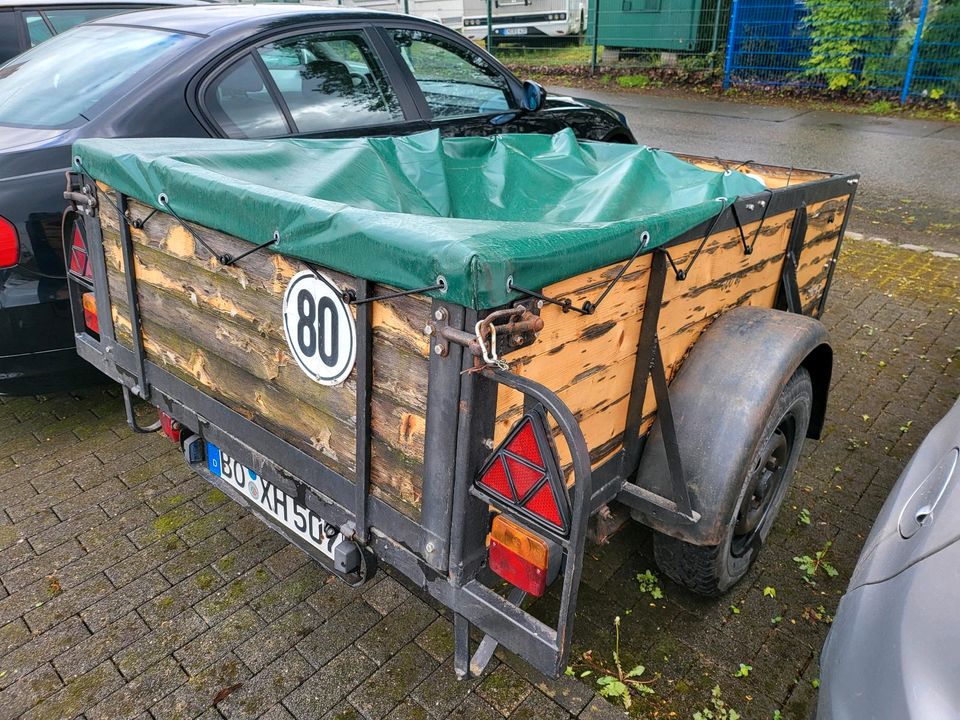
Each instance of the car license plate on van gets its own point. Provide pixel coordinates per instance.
(513, 31)
(273, 502)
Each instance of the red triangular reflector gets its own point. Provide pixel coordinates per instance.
(495, 478)
(78, 254)
(524, 444)
(544, 505)
(524, 476)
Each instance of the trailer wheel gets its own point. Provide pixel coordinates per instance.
(713, 569)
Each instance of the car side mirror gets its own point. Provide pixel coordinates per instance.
(533, 96)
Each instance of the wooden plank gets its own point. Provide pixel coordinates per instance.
(773, 176)
(218, 327)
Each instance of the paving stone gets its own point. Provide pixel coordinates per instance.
(441, 692)
(336, 633)
(538, 706)
(437, 639)
(263, 690)
(196, 696)
(329, 685)
(386, 595)
(185, 594)
(165, 524)
(600, 709)
(198, 556)
(60, 605)
(167, 637)
(393, 682)
(80, 657)
(290, 591)
(286, 561)
(407, 710)
(281, 634)
(142, 692)
(42, 565)
(504, 689)
(41, 649)
(84, 692)
(474, 708)
(398, 628)
(219, 640)
(29, 690)
(246, 587)
(120, 602)
(12, 635)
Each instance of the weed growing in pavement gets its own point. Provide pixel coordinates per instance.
(649, 583)
(803, 518)
(719, 711)
(614, 683)
(811, 565)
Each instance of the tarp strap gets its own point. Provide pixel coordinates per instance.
(748, 249)
(682, 273)
(588, 307)
(222, 259)
(350, 296)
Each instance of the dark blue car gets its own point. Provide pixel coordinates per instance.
(238, 71)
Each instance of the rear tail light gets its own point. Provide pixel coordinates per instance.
(90, 312)
(79, 261)
(171, 428)
(518, 556)
(9, 244)
(522, 477)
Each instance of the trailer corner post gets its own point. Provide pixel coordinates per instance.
(731, 34)
(914, 53)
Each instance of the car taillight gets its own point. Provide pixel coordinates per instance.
(522, 478)
(171, 428)
(90, 319)
(518, 556)
(79, 261)
(9, 244)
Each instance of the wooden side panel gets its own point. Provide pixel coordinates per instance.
(773, 176)
(589, 360)
(219, 329)
(824, 222)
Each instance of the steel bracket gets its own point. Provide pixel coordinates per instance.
(515, 327)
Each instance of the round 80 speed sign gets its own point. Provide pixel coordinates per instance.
(319, 328)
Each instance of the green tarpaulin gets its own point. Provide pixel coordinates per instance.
(405, 210)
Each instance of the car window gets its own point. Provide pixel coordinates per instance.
(454, 80)
(242, 105)
(64, 19)
(37, 28)
(58, 83)
(9, 38)
(330, 81)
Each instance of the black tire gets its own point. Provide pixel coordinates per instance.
(712, 570)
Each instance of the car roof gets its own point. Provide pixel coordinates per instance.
(206, 19)
(4, 4)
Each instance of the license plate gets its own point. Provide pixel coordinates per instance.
(272, 501)
(513, 31)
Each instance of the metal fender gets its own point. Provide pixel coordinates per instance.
(721, 398)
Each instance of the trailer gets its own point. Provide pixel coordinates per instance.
(525, 20)
(468, 357)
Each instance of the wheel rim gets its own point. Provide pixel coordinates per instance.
(764, 485)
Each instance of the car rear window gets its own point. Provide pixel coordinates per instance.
(56, 84)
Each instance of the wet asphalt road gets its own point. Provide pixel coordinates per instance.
(910, 169)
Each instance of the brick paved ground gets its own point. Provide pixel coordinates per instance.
(130, 588)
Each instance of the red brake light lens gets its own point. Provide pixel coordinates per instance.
(79, 261)
(9, 244)
(518, 556)
(522, 475)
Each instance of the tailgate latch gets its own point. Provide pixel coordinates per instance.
(82, 197)
(500, 332)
